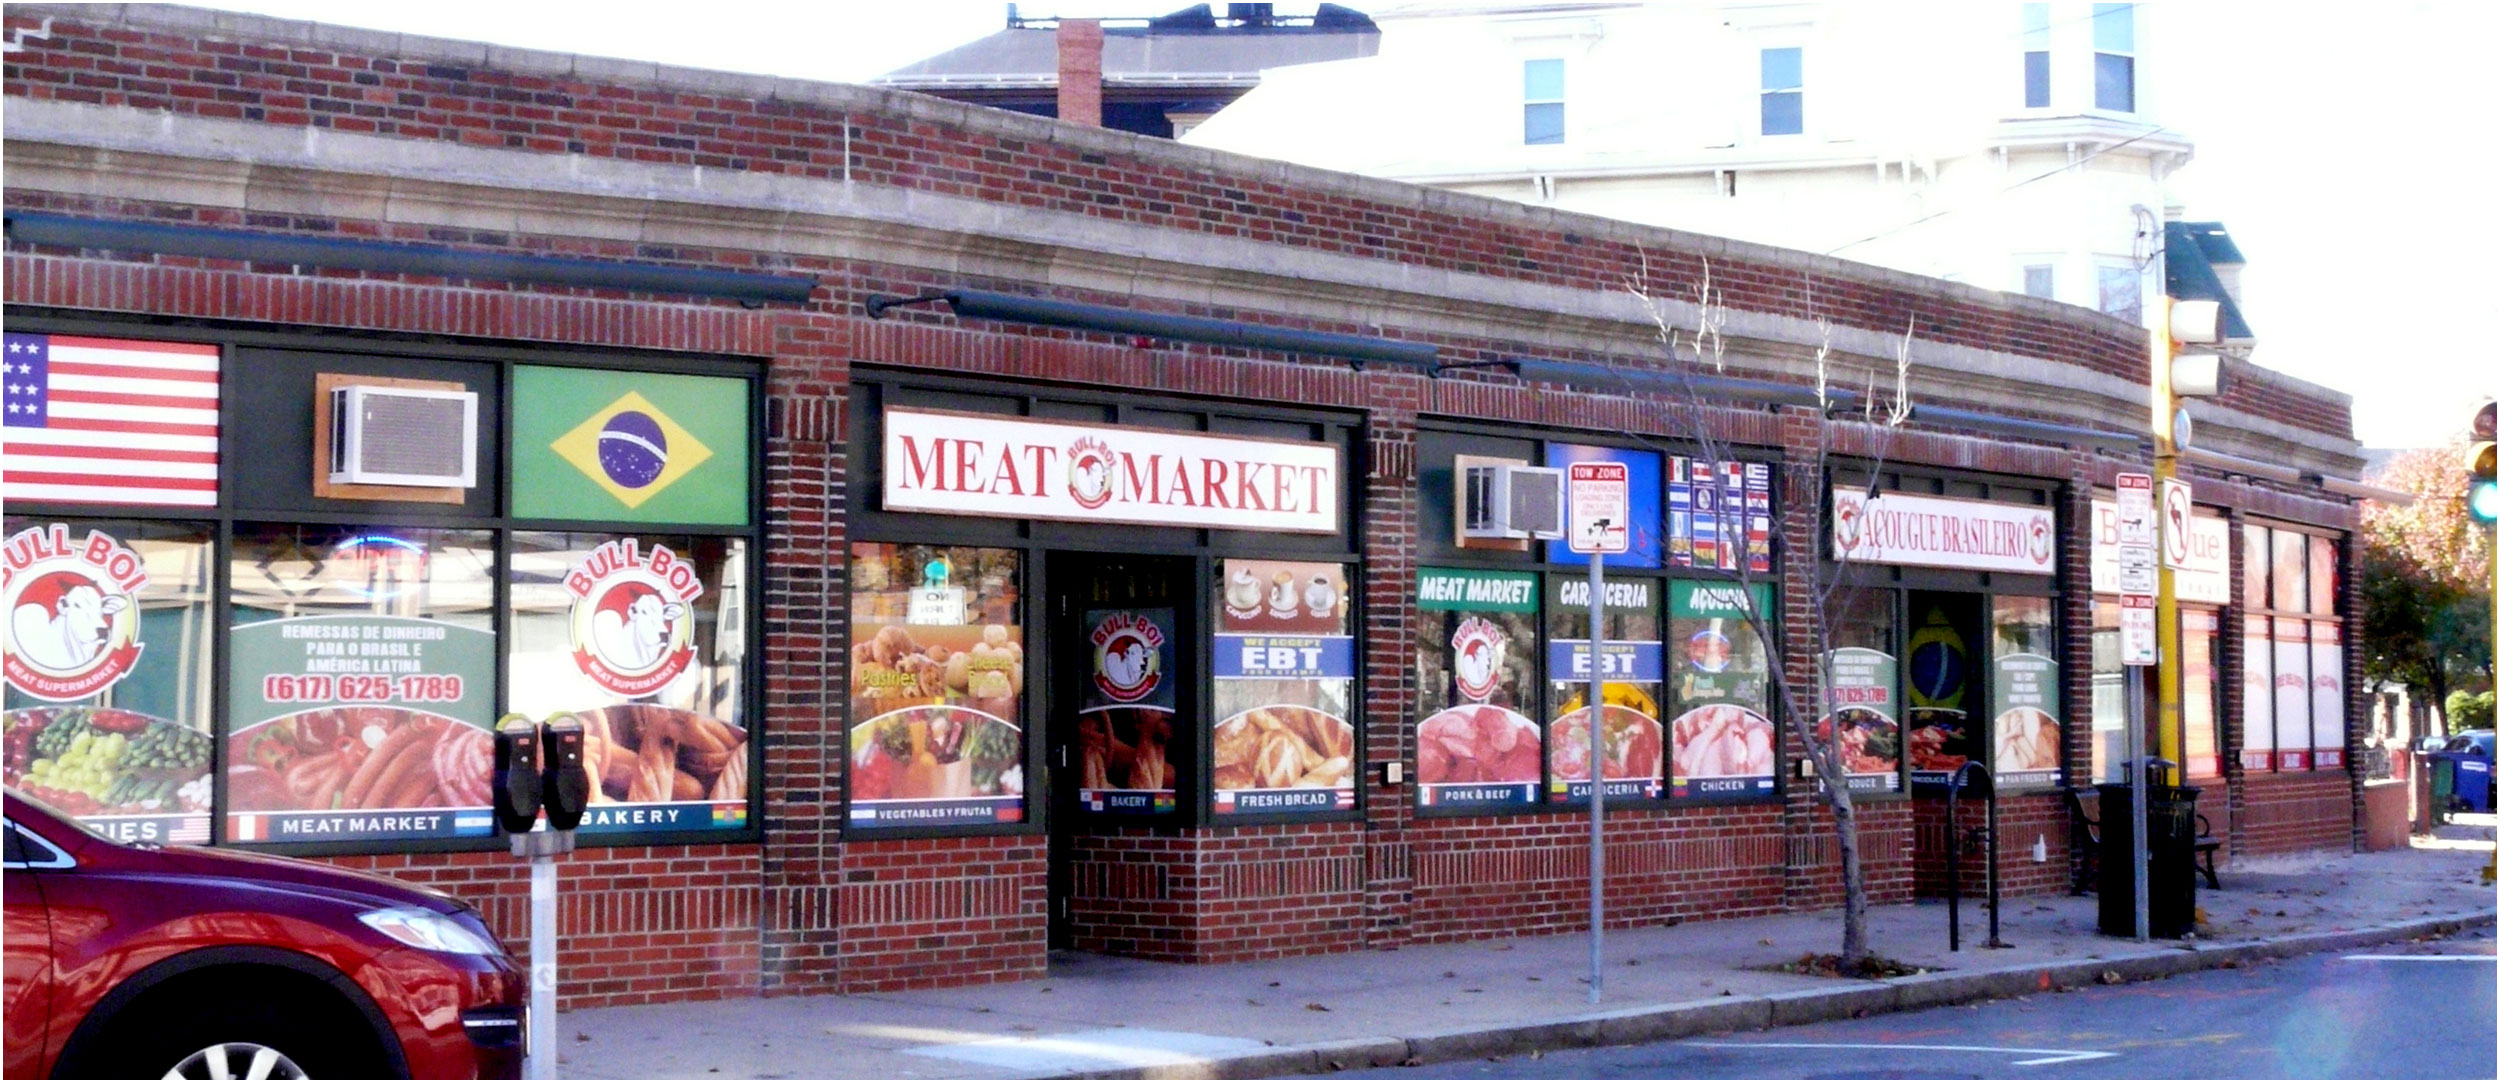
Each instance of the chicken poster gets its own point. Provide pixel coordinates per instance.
(92, 723)
(1633, 739)
(1124, 722)
(642, 638)
(1725, 747)
(1859, 688)
(1284, 689)
(1476, 669)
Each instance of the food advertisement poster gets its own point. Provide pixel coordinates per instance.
(640, 637)
(1718, 514)
(1475, 749)
(1284, 689)
(359, 727)
(1124, 721)
(1861, 685)
(938, 744)
(1635, 668)
(1941, 738)
(103, 629)
(2024, 698)
(1725, 748)
(1648, 522)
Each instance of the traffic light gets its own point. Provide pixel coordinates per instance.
(2193, 323)
(2482, 492)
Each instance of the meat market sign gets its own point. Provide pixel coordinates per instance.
(983, 464)
(1939, 532)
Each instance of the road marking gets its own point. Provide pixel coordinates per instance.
(2422, 958)
(2045, 1056)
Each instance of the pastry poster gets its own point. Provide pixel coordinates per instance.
(1476, 675)
(1124, 723)
(1633, 741)
(2026, 737)
(1859, 686)
(101, 723)
(1284, 689)
(354, 727)
(1724, 745)
(640, 638)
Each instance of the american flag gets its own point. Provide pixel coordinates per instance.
(109, 421)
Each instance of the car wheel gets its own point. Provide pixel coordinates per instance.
(248, 1037)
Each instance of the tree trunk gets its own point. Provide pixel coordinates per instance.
(1852, 881)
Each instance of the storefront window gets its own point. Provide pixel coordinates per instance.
(2326, 695)
(1632, 736)
(2026, 735)
(643, 638)
(1718, 514)
(2257, 745)
(1284, 739)
(2291, 572)
(1477, 746)
(109, 669)
(2256, 552)
(362, 684)
(2291, 693)
(2199, 703)
(937, 686)
(2322, 576)
(1862, 679)
(2109, 694)
(1725, 747)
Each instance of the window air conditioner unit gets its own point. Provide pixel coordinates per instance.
(1512, 501)
(403, 436)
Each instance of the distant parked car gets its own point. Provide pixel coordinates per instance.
(144, 962)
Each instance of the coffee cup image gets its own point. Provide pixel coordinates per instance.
(1320, 596)
(1241, 592)
(1282, 599)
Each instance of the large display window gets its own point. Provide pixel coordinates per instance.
(2027, 728)
(2292, 716)
(1725, 747)
(1861, 681)
(110, 661)
(361, 688)
(1283, 739)
(1477, 745)
(1633, 734)
(937, 687)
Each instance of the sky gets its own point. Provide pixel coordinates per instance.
(2340, 143)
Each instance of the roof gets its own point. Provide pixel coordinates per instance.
(2190, 251)
(1187, 47)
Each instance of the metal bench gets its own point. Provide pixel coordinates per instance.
(2084, 836)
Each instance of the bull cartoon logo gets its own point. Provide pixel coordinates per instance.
(73, 614)
(632, 627)
(1128, 657)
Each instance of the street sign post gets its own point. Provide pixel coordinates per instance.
(2139, 631)
(1600, 496)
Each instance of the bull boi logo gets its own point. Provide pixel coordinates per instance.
(73, 612)
(1476, 651)
(1128, 657)
(631, 449)
(1089, 473)
(632, 624)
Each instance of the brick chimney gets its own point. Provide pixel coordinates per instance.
(1080, 71)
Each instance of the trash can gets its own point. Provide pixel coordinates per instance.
(2442, 767)
(2471, 786)
(2170, 883)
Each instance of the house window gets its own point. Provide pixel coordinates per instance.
(1783, 91)
(2040, 280)
(1542, 93)
(2122, 291)
(2035, 56)
(2113, 57)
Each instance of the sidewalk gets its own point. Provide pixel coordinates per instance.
(1118, 1017)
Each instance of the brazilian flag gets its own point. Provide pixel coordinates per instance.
(636, 447)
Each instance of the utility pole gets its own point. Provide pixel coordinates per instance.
(2175, 375)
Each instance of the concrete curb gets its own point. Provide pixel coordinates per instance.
(1653, 1022)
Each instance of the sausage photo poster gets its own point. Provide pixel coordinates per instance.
(1724, 745)
(363, 685)
(640, 637)
(1476, 669)
(1859, 689)
(1124, 721)
(1633, 738)
(1284, 689)
(105, 648)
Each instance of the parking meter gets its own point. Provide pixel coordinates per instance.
(516, 778)
(565, 783)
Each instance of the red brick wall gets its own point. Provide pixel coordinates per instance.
(2289, 812)
(1516, 876)
(2022, 819)
(1221, 896)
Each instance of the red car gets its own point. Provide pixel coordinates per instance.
(144, 962)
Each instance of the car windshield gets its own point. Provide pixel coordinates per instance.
(68, 822)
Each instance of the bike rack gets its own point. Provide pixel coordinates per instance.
(1953, 855)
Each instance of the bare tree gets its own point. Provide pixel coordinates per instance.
(1871, 416)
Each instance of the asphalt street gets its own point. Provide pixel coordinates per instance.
(2404, 1011)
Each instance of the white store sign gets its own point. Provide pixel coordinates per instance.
(2207, 577)
(984, 464)
(1940, 532)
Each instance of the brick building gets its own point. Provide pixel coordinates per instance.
(1088, 597)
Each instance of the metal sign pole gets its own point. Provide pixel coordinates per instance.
(2135, 767)
(542, 1031)
(1597, 775)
